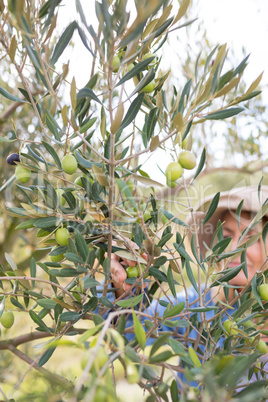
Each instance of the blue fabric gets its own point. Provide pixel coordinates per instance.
(156, 309)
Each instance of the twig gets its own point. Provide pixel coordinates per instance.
(4, 395)
(52, 377)
(11, 108)
(32, 336)
(20, 340)
(20, 278)
(106, 325)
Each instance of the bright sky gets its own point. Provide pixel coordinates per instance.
(242, 24)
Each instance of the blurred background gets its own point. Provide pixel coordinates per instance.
(237, 149)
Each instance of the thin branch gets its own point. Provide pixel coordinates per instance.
(19, 340)
(11, 108)
(105, 328)
(29, 278)
(51, 377)
(4, 395)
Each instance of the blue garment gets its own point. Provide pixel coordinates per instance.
(156, 308)
(193, 296)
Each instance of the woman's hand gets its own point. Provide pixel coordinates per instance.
(118, 272)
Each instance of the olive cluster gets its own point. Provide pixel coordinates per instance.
(117, 61)
(23, 175)
(69, 166)
(186, 160)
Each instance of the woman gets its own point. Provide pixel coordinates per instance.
(251, 201)
(226, 212)
(234, 219)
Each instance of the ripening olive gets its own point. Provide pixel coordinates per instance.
(12, 159)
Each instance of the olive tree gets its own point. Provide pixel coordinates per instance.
(77, 186)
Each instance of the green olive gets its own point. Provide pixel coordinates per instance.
(143, 267)
(262, 347)
(128, 68)
(78, 181)
(173, 171)
(62, 235)
(263, 291)
(22, 174)
(149, 87)
(100, 360)
(116, 63)
(61, 199)
(171, 184)
(132, 373)
(187, 160)
(148, 56)
(132, 272)
(228, 325)
(56, 258)
(7, 319)
(131, 185)
(147, 215)
(69, 164)
(184, 143)
(224, 361)
(164, 219)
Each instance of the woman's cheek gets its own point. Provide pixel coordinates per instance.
(255, 257)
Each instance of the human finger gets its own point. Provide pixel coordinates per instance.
(118, 273)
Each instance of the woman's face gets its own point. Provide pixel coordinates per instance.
(254, 254)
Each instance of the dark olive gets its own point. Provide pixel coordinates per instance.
(13, 158)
